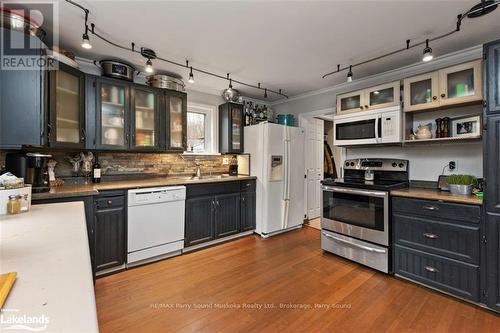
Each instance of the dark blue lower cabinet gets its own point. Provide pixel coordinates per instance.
(455, 277)
(493, 261)
(248, 210)
(200, 226)
(227, 214)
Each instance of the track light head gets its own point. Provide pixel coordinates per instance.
(149, 66)
(230, 83)
(191, 76)
(85, 41)
(349, 74)
(265, 93)
(427, 52)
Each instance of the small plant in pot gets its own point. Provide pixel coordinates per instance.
(461, 184)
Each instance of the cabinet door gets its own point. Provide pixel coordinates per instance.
(236, 128)
(112, 127)
(66, 107)
(493, 260)
(110, 237)
(248, 211)
(421, 92)
(176, 121)
(491, 152)
(382, 96)
(199, 226)
(493, 77)
(461, 84)
(21, 97)
(227, 214)
(145, 123)
(351, 102)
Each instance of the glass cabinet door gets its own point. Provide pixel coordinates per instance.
(176, 122)
(350, 102)
(460, 84)
(236, 127)
(144, 119)
(112, 116)
(67, 108)
(382, 96)
(421, 92)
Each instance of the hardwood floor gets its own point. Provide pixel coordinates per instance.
(289, 269)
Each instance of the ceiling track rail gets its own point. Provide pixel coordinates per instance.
(481, 9)
(93, 31)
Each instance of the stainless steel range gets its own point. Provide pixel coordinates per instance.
(355, 220)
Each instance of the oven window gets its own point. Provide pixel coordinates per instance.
(354, 209)
(357, 130)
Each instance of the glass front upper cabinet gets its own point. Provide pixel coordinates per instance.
(350, 102)
(145, 119)
(236, 127)
(112, 125)
(421, 92)
(382, 96)
(461, 83)
(67, 108)
(176, 121)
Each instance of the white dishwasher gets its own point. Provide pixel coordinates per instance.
(155, 223)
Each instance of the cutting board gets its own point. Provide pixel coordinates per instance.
(6, 283)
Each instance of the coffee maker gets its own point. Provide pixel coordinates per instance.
(30, 166)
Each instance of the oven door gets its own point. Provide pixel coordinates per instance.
(358, 130)
(359, 213)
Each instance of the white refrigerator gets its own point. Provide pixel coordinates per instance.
(277, 160)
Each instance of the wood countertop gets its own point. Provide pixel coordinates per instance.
(68, 191)
(435, 194)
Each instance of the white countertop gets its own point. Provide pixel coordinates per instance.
(48, 248)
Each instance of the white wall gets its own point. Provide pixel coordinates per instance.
(427, 161)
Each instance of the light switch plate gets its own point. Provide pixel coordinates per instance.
(225, 160)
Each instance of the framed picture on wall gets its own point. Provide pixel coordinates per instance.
(466, 127)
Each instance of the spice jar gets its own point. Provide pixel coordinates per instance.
(13, 205)
(24, 203)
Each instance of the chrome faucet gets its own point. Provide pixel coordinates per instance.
(198, 169)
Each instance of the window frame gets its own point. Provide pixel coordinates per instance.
(211, 127)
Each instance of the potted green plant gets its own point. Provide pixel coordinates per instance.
(461, 184)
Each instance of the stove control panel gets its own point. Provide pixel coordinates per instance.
(381, 164)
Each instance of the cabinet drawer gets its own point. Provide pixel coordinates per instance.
(460, 242)
(212, 189)
(448, 275)
(110, 202)
(247, 185)
(437, 209)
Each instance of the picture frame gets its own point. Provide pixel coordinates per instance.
(466, 127)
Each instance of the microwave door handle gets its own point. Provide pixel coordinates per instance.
(377, 134)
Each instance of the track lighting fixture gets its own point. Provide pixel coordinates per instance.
(85, 41)
(427, 52)
(349, 75)
(191, 76)
(149, 66)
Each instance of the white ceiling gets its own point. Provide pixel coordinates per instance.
(283, 44)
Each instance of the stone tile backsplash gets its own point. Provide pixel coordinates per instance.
(114, 164)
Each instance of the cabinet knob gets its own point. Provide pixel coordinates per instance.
(443, 95)
(110, 202)
(434, 98)
(431, 208)
(366, 106)
(361, 107)
(431, 269)
(431, 236)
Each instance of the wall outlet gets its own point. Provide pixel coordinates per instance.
(452, 165)
(225, 160)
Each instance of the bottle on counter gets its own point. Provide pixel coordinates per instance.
(96, 171)
(13, 205)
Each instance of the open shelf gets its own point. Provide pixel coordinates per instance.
(449, 139)
(67, 91)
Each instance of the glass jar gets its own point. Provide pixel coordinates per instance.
(24, 203)
(13, 205)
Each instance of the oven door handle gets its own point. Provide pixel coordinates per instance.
(363, 247)
(378, 194)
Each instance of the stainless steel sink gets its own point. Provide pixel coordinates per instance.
(199, 178)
